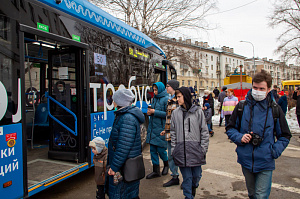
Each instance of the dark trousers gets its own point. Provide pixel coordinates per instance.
(221, 120)
(100, 194)
(227, 119)
(298, 118)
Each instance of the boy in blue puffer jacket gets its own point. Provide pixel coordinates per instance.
(158, 144)
(253, 134)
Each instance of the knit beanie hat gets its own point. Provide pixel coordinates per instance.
(98, 143)
(123, 97)
(173, 83)
(207, 105)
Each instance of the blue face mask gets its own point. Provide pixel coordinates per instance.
(116, 108)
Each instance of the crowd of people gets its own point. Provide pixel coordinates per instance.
(178, 133)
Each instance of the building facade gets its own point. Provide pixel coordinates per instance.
(197, 64)
(280, 71)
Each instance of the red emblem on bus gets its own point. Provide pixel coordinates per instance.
(11, 136)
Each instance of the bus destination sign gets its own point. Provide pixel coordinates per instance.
(138, 54)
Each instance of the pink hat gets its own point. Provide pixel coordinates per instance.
(281, 93)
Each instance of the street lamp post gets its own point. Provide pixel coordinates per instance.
(253, 54)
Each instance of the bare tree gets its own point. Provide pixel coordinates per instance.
(156, 17)
(287, 14)
(187, 58)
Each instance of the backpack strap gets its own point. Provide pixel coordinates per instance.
(241, 106)
(275, 113)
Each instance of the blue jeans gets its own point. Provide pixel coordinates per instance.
(191, 177)
(209, 127)
(258, 184)
(173, 167)
(155, 151)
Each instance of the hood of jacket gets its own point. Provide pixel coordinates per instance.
(187, 97)
(134, 111)
(161, 89)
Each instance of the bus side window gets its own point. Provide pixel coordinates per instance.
(291, 87)
(286, 87)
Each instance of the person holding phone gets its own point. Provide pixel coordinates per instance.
(158, 144)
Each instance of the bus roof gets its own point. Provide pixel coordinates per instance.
(92, 14)
(291, 81)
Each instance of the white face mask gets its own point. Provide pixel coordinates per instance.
(259, 95)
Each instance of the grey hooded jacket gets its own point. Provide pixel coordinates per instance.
(189, 137)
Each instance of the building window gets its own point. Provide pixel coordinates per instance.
(201, 84)
(212, 75)
(182, 83)
(212, 67)
(196, 84)
(212, 84)
(229, 60)
(182, 73)
(189, 82)
(189, 73)
(212, 58)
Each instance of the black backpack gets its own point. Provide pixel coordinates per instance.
(275, 112)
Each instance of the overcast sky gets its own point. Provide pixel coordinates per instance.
(248, 23)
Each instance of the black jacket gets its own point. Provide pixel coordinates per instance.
(295, 97)
(209, 99)
(216, 92)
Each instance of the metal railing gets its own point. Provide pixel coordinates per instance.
(66, 109)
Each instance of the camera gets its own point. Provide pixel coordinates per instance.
(256, 139)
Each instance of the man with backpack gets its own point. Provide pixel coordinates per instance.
(253, 126)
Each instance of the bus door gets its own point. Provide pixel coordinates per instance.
(65, 100)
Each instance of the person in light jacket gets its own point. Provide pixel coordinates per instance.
(189, 141)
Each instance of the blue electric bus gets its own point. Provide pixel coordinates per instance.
(60, 63)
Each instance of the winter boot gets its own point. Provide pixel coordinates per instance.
(155, 173)
(166, 168)
(173, 181)
(194, 191)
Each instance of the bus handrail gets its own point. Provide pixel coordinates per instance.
(65, 108)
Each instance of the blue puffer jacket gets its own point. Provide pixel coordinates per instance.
(282, 102)
(158, 120)
(262, 157)
(124, 143)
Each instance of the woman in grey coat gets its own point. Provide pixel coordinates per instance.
(189, 141)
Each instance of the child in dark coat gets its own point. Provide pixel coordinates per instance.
(208, 115)
(100, 159)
